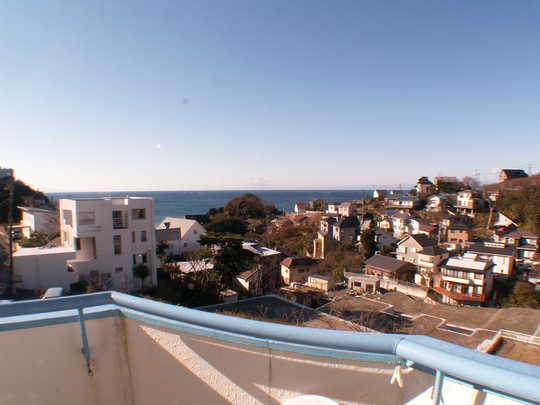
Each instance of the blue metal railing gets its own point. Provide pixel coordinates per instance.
(444, 360)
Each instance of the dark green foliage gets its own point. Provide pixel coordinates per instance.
(230, 258)
(369, 246)
(318, 205)
(36, 240)
(340, 260)
(22, 192)
(523, 295)
(141, 271)
(388, 250)
(249, 206)
(224, 223)
(292, 239)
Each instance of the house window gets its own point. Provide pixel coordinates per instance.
(118, 269)
(134, 259)
(87, 218)
(68, 217)
(77, 244)
(133, 237)
(185, 244)
(144, 259)
(118, 220)
(70, 269)
(143, 236)
(117, 244)
(138, 213)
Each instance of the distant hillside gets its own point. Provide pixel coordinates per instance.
(23, 195)
(520, 200)
(515, 184)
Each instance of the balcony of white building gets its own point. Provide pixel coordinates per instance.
(112, 348)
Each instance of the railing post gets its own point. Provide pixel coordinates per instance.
(84, 338)
(437, 388)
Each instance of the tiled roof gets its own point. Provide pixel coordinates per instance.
(386, 263)
(298, 261)
(491, 250)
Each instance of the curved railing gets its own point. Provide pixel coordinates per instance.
(484, 372)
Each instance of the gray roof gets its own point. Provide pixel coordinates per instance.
(491, 250)
(386, 263)
(433, 251)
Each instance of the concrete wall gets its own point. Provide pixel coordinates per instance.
(46, 270)
(45, 366)
(169, 366)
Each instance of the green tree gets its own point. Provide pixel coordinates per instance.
(230, 258)
(37, 239)
(249, 206)
(224, 223)
(523, 295)
(141, 271)
(369, 246)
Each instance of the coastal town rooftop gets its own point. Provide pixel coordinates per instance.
(115, 348)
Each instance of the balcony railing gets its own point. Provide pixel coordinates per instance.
(236, 360)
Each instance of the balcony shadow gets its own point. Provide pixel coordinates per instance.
(177, 368)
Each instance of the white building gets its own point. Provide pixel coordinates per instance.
(182, 235)
(40, 268)
(37, 219)
(110, 236)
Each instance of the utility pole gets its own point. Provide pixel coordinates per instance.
(9, 174)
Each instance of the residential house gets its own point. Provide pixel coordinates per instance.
(320, 282)
(458, 233)
(437, 203)
(346, 229)
(469, 202)
(333, 208)
(323, 244)
(421, 251)
(510, 174)
(388, 268)
(251, 281)
(417, 225)
(384, 239)
(502, 226)
(424, 186)
(402, 202)
(347, 208)
(410, 245)
(465, 280)
(110, 236)
(527, 246)
(267, 261)
(400, 223)
(37, 219)
(500, 255)
(447, 184)
(301, 207)
(181, 234)
(385, 224)
(298, 269)
(364, 282)
(379, 194)
(326, 225)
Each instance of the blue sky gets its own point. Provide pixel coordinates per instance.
(129, 95)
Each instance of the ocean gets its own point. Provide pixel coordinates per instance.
(180, 203)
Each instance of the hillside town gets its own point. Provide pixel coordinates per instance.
(443, 244)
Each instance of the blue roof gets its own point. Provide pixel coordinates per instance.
(406, 198)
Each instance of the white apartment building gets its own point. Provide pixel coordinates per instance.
(110, 236)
